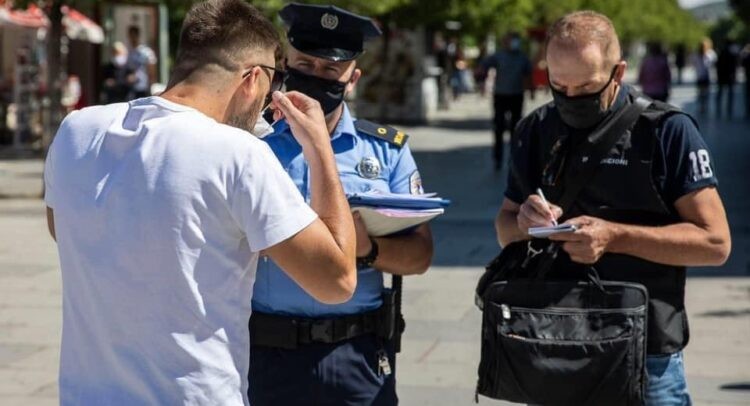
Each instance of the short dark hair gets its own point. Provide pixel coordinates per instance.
(219, 32)
(134, 30)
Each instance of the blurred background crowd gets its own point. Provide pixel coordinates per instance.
(61, 55)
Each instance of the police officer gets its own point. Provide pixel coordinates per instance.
(305, 352)
(651, 209)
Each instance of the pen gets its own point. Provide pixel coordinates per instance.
(539, 192)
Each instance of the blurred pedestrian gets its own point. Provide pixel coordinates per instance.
(726, 77)
(679, 61)
(161, 208)
(444, 62)
(141, 63)
(655, 76)
(460, 79)
(71, 93)
(745, 61)
(480, 74)
(116, 86)
(512, 77)
(702, 62)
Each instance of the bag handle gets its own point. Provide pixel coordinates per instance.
(593, 276)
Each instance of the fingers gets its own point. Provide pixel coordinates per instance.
(557, 211)
(544, 209)
(580, 252)
(576, 236)
(533, 217)
(580, 222)
(277, 113)
(286, 106)
(301, 101)
(536, 213)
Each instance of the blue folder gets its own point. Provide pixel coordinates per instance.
(397, 201)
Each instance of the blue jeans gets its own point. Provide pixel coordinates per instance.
(666, 381)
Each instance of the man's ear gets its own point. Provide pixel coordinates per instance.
(353, 81)
(622, 66)
(251, 84)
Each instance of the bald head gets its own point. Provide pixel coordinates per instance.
(582, 29)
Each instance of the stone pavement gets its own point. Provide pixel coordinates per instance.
(441, 344)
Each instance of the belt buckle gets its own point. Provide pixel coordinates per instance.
(321, 331)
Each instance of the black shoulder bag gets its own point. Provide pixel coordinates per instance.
(563, 342)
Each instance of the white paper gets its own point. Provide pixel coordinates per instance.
(381, 222)
(544, 232)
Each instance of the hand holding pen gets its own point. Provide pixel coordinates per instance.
(536, 211)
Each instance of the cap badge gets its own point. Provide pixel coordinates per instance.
(329, 21)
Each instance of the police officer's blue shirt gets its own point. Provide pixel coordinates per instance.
(275, 292)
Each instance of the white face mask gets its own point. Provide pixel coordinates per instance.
(120, 60)
(262, 127)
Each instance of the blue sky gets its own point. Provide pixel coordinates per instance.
(693, 3)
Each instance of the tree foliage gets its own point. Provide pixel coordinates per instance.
(659, 20)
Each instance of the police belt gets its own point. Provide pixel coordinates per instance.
(271, 330)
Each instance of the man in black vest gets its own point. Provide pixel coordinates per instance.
(651, 209)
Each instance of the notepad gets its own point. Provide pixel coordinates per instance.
(384, 221)
(544, 232)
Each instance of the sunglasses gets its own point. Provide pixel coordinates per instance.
(276, 77)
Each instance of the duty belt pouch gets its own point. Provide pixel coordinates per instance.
(387, 324)
(563, 342)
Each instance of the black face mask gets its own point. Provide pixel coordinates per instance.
(584, 111)
(329, 93)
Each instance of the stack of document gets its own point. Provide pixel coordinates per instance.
(388, 213)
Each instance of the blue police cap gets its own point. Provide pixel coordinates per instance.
(327, 32)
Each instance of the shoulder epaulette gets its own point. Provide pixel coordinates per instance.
(384, 132)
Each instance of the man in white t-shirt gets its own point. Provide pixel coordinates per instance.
(160, 209)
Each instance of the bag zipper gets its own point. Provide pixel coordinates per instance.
(517, 337)
(633, 285)
(506, 310)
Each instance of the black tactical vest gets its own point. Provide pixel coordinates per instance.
(625, 189)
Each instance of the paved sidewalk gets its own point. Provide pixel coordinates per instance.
(21, 178)
(441, 345)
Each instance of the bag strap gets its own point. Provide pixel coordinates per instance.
(597, 146)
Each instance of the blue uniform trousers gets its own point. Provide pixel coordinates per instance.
(318, 374)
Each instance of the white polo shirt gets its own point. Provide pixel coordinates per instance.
(160, 213)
